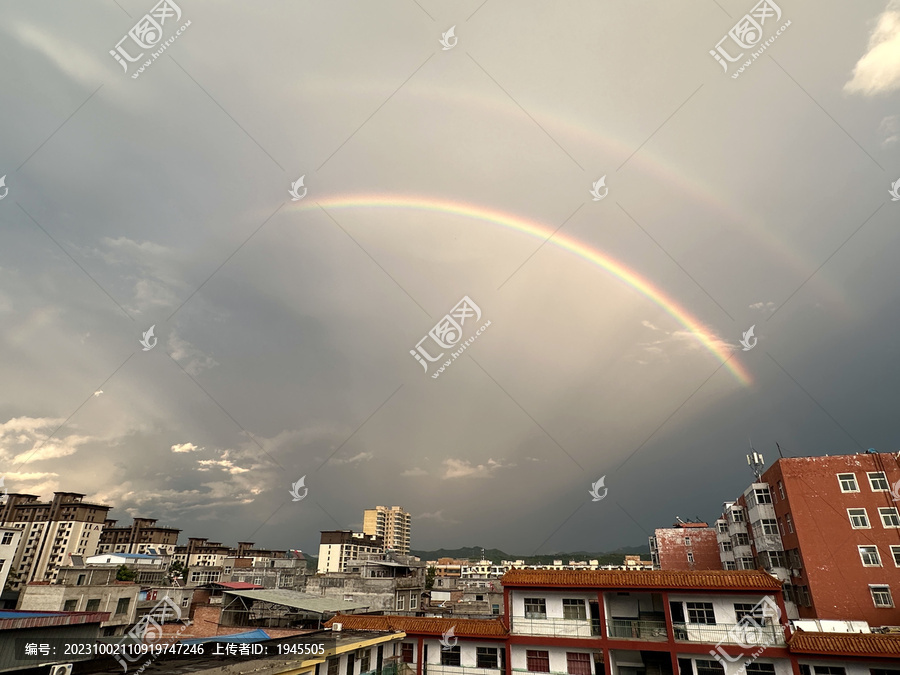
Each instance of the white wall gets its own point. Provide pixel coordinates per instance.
(558, 661)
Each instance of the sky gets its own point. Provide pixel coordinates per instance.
(579, 194)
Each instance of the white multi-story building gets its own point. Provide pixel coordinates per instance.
(339, 547)
(391, 524)
(9, 544)
(51, 532)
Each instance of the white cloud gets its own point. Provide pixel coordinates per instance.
(878, 71)
(415, 471)
(461, 468)
(890, 127)
(185, 447)
(224, 464)
(361, 457)
(436, 516)
(182, 350)
(764, 307)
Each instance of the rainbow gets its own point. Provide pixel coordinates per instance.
(708, 339)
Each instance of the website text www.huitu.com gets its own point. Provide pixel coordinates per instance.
(462, 347)
(755, 55)
(162, 48)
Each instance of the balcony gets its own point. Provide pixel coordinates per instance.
(555, 627)
(730, 633)
(637, 629)
(438, 669)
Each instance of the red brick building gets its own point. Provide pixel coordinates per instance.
(829, 528)
(685, 546)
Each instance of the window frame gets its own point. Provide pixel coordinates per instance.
(842, 477)
(893, 513)
(704, 610)
(405, 648)
(764, 491)
(865, 515)
(535, 658)
(484, 652)
(789, 522)
(879, 476)
(535, 614)
(895, 554)
(583, 663)
(729, 545)
(690, 557)
(577, 604)
(863, 553)
(771, 524)
(881, 588)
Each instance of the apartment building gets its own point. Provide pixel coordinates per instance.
(142, 536)
(338, 547)
(632, 623)
(271, 571)
(9, 544)
(829, 529)
(50, 533)
(685, 546)
(391, 524)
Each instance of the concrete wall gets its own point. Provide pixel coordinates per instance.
(53, 598)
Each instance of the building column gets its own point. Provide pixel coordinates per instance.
(670, 633)
(420, 649)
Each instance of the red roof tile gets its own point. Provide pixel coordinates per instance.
(658, 579)
(845, 644)
(416, 625)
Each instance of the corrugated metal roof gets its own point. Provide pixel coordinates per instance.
(416, 625)
(237, 585)
(838, 644)
(659, 579)
(298, 600)
(19, 619)
(257, 635)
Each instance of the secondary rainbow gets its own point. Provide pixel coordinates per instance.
(704, 336)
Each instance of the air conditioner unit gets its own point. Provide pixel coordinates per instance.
(337, 627)
(65, 669)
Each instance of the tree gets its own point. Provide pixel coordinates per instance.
(429, 578)
(124, 573)
(177, 570)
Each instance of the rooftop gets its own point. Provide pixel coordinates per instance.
(297, 600)
(18, 619)
(658, 579)
(845, 644)
(421, 625)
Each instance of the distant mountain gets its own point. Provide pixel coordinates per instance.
(473, 553)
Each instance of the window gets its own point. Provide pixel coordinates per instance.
(803, 597)
(480, 598)
(705, 667)
(722, 528)
(789, 522)
(495, 610)
(742, 609)
(830, 670)
(401, 602)
(690, 557)
(726, 546)
(80, 581)
(450, 657)
(878, 481)
(406, 655)
(741, 539)
(757, 667)
(122, 605)
(535, 608)
(762, 496)
(769, 526)
(859, 519)
(701, 612)
(485, 657)
(93, 605)
(365, 660)
(869, 555)
(730, 565)
(70, 605)
(781, 489)
(333, 665)
(889, 516)
(895, 554)
(747, 564)
(804, 669)
(848, 482)
(737, 515)
(687, 541)
(537, 661)
(185, 602)
(7, 539)
(574, 609)
(578, 663)
(881, 596)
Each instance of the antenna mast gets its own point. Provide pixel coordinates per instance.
(756, 462)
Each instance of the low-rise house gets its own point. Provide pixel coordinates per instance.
(118, 600)
(391, 583)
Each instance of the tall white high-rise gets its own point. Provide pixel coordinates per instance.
(392, 524)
